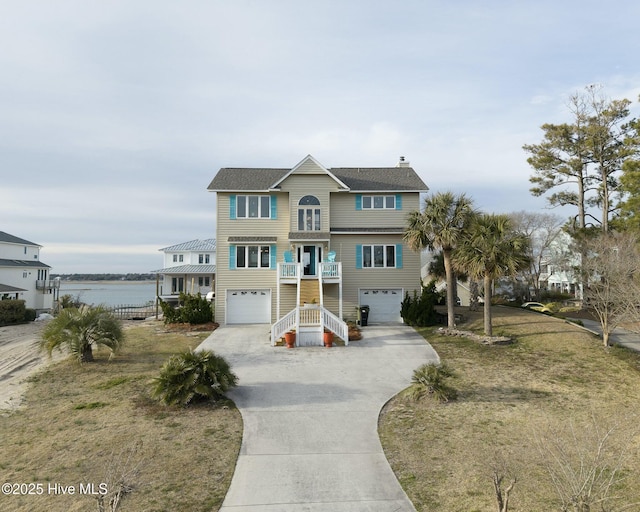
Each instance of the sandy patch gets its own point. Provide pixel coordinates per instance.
(20, 357)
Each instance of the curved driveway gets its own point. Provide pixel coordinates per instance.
(310, 414)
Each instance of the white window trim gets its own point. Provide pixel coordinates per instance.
(246, 257)
(384, 256)
(245, 214)
(384, 202)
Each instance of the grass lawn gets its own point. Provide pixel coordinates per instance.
(91, 423)
(554, 374)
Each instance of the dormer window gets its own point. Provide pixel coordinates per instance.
(309, 214)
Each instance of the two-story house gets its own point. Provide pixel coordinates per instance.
(307, 246)
(189, 267)
(22, 274)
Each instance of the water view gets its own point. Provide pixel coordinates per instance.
(111, 293)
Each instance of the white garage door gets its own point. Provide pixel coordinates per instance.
(384, 304)
(249, 306)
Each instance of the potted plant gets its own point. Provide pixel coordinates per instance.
(290, 338)
(327, 337)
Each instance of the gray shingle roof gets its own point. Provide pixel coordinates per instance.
(369, 179)
(245, 179)
(194, 245)
(387, 179)
(6, 237)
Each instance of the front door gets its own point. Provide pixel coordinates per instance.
(310, 256)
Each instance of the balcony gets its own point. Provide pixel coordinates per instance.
(47, 284)
(329, 271)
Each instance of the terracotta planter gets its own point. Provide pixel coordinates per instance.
(327, 337)
(290, 339)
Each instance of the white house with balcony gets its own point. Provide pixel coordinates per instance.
(189, 267)
(23, 276)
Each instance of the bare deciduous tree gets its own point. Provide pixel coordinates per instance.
(612, 269)
(587, 460)
(542, 229)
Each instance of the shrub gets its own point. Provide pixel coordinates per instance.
(431, 379)
(420, 310)
(192, 309)
(12, 311)
(553, 296)
(193, 376)
(30, 315)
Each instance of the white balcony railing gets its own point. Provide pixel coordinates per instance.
(331, 270)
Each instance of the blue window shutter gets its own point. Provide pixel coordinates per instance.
(232, 207)
(398, 201)
(398, 255)
(359, 256)
(272, 256)
(232, 257)
(274, 207)
(358, 201)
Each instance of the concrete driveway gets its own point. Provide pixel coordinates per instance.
(310, 414)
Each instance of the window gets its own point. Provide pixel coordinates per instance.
(175, 258)
(378, 202)
(253, 207)
(309, 218)
(204, 281)
(180, 258)
(378, 256)
(253, 256)
(203, 258)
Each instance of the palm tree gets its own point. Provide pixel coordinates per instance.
(441, 225)
(81, 328)
(492, 249)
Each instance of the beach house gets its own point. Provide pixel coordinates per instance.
(307, 247)
(189, 267)
(23, 276)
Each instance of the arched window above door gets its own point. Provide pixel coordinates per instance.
(309, 214)
(309, 201)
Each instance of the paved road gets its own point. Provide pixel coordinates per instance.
(310, 414)
(619, 336)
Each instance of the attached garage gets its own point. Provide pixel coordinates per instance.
(249, 306)
(384, 304)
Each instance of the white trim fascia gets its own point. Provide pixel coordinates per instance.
(322, 167)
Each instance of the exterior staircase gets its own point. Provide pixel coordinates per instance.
(309, 291)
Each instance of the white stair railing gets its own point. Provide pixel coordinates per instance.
(335, 325)
(285, 324)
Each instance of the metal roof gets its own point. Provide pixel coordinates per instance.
(194, 245)
(11, 239)
(5, 288)
(22, 263)
(187, 269)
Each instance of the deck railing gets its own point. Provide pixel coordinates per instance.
(331, 269)
(285, 324)
(335, 325)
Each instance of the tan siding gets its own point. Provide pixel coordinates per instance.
(227, 279)
(319, 185)
(345, 215)
(407, 278)
(309, 167)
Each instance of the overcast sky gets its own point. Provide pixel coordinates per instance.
(115, 116)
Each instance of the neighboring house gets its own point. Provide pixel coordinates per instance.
(558, 271)
(327, 238)
(23, 276)
(463, 292)
(189, 267)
